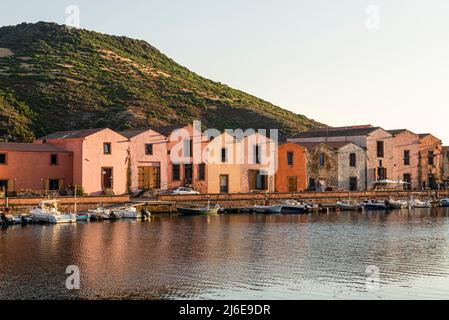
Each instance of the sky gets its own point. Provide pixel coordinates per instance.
(346, 62)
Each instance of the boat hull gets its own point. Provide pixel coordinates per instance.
(197, 211)
(54, 219)
(294, 210)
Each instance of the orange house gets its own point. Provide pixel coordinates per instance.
(100, 159)
(291, 175)
(27, 166)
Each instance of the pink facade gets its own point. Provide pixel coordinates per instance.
(100, 159)
(183, 170)
(25, 166)
(406, 158)
(149, 159)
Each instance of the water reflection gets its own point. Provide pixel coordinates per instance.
(232, 256)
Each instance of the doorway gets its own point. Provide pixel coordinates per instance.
(353, 181)
(292, 184)
(149, 178)
(224, 183)
(3, 187)
(106, 179)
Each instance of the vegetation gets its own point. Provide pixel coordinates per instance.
(56, 78)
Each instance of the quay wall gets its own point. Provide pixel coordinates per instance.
(66, 203)
(250, 199)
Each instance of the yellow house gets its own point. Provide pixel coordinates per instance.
(240, 163)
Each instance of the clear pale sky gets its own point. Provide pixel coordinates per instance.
(384, 62)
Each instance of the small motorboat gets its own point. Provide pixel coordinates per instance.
(416, 203)
(84, 216)
(99, 214)
(348, 205)
(444, 203)
(398, 204)
(295, 207)
(374, 205)
(48, 212)
(128, 213)
(268, 209)
(198, 211)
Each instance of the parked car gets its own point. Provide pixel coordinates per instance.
(184, 190)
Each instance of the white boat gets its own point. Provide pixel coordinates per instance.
(127, 213)
(48, 211)
(416, 203)
(349, 205)
(99, 213)
(267, 209)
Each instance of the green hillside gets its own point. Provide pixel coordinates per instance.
(55, 78)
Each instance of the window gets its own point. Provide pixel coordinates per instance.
(352, 160)
(188, 147)
(290, 158)
(257, 154)
(175, 172)
(261, 181)
(149, 149)
(53, 184)
(224, 155)
(431, 158)
(380, 149)
(353, 181)
(107, 148)
(54, 159)
(406, 157)
(322, 160)
(4, 186)
(2, 158)
(201, 172)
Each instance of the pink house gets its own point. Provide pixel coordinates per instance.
(34, 166)
(100, 159)
(149, 159)
(406, 158)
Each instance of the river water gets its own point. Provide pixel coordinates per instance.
(399, 255)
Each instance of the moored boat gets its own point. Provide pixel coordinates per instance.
(48, 212)
(128, 213)
(348, 205)
(295, 207)
(444, 203)
(99, 214)
(374, 205)
(398, 204)
(84, 216)
(416, 203)
(198, 211)
(268, 209)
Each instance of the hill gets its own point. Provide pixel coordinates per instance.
(55, 78)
